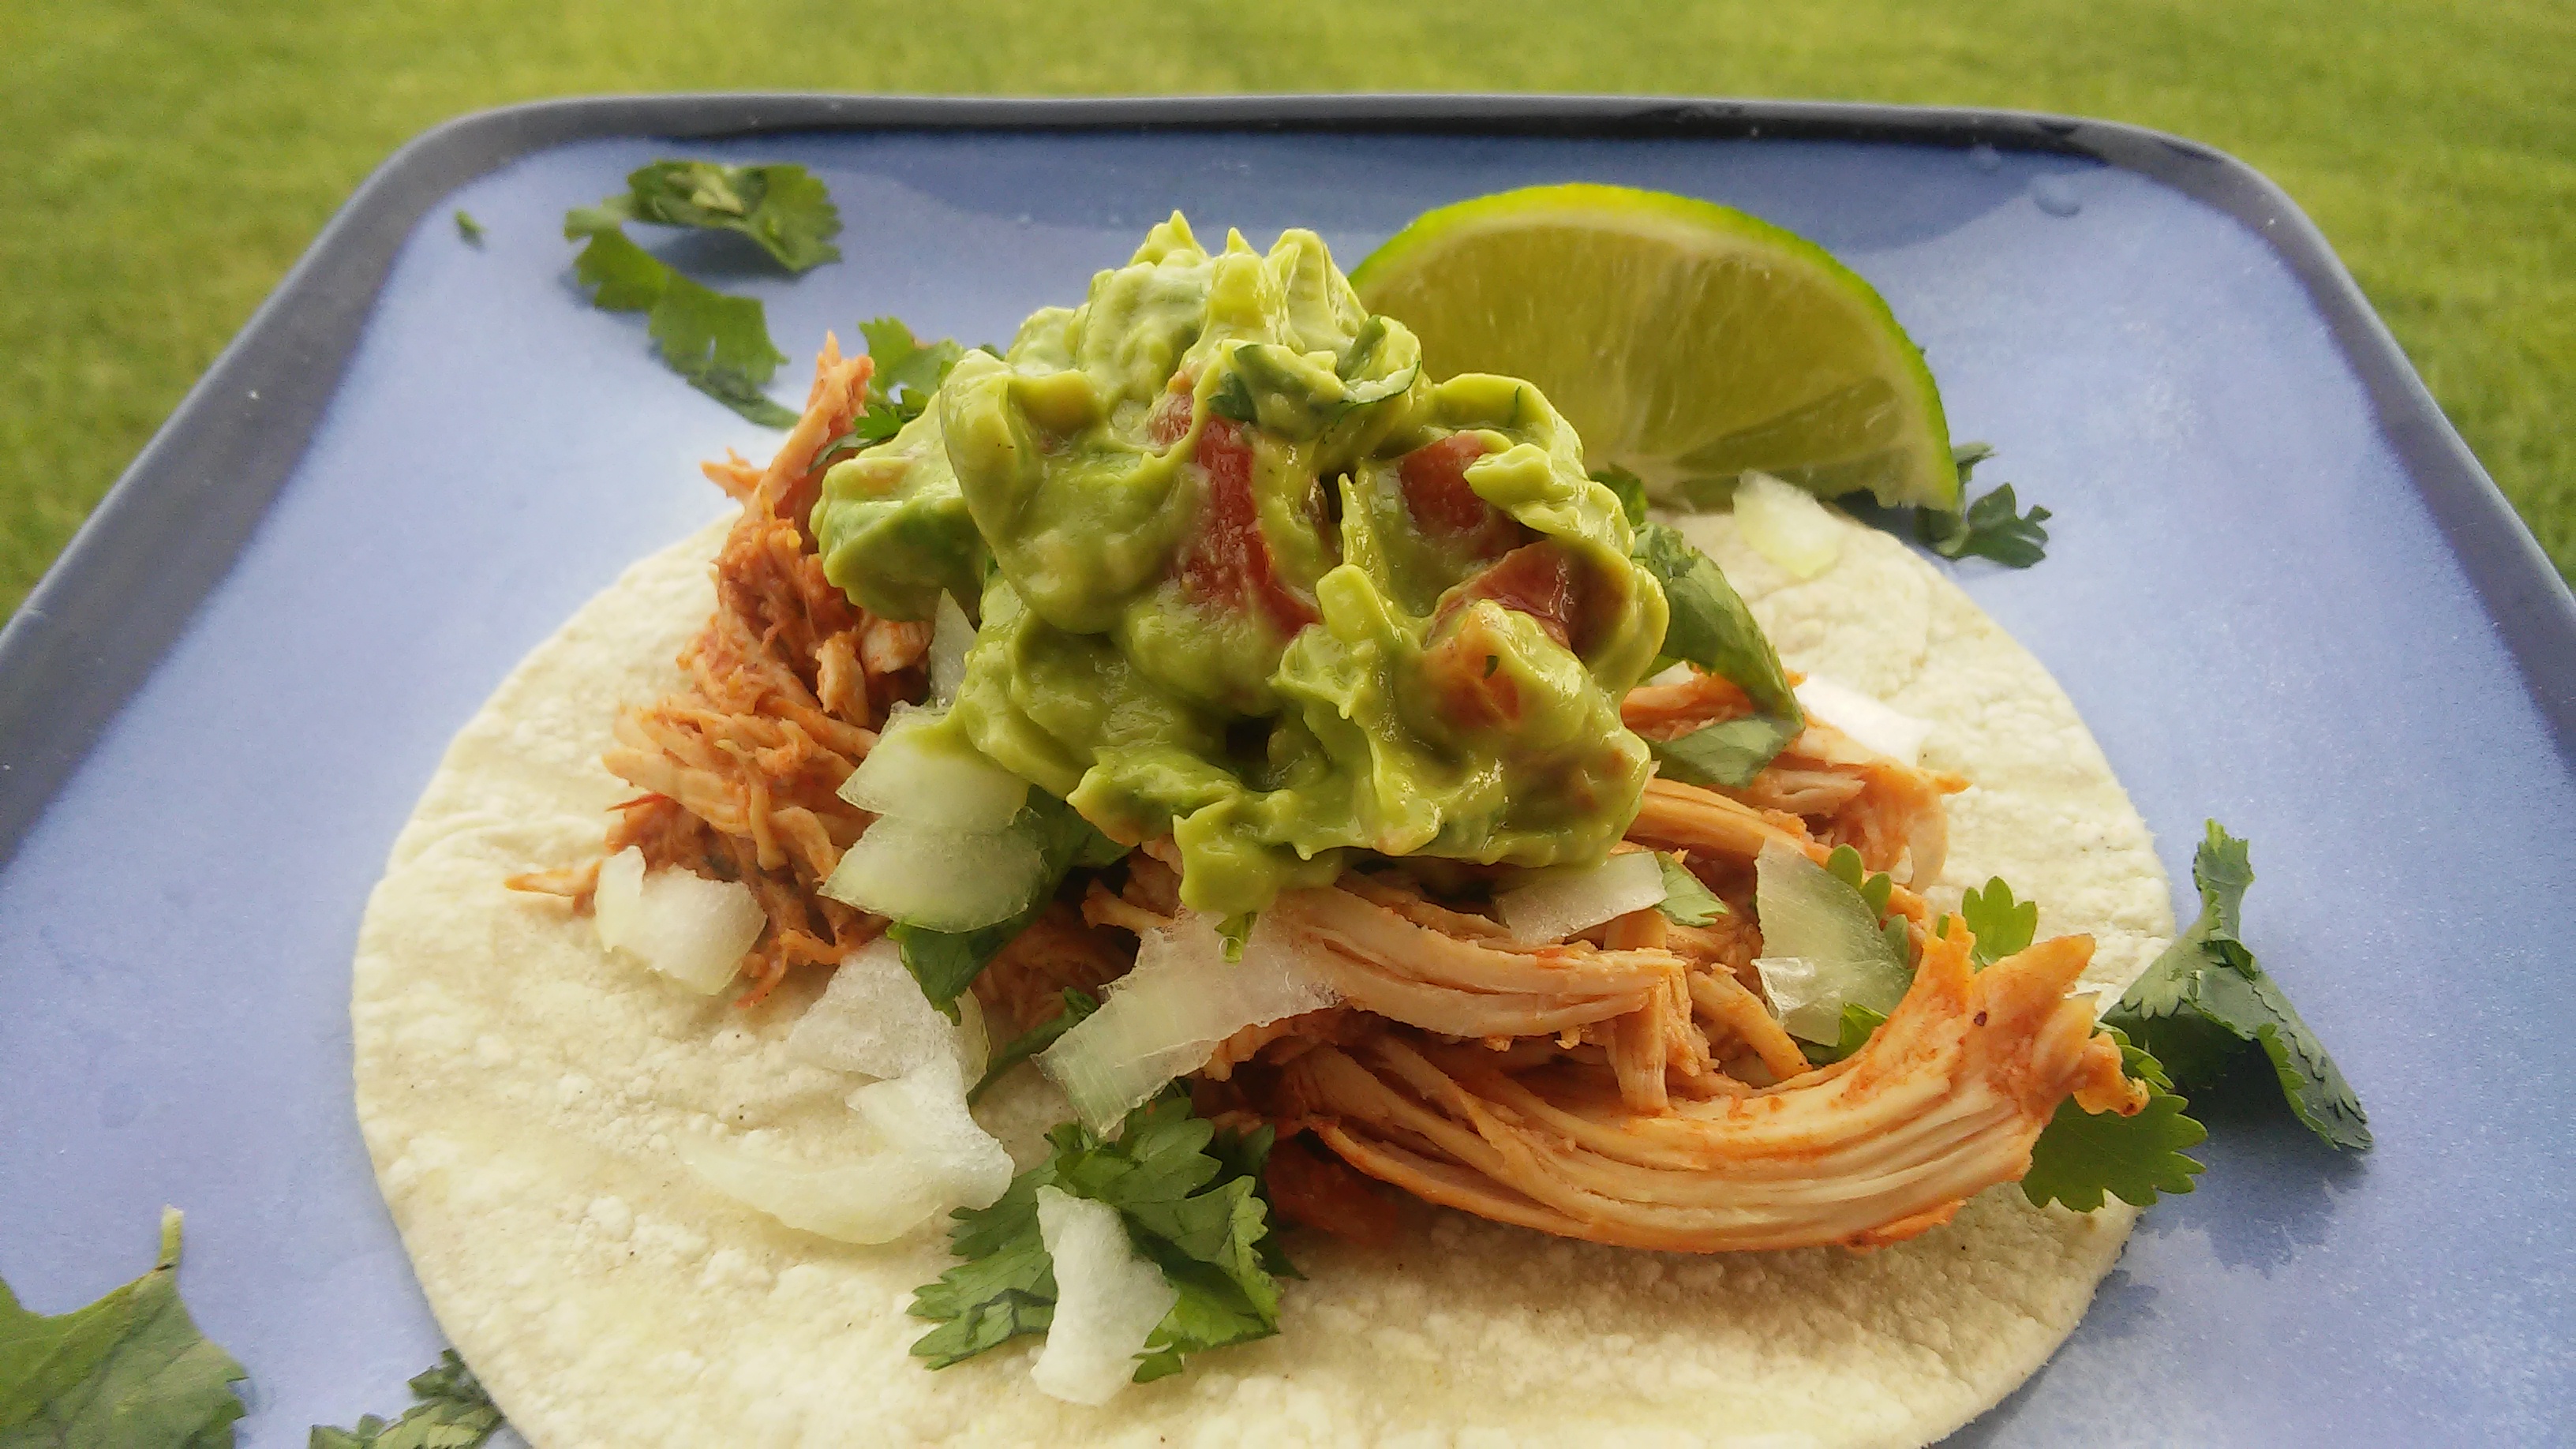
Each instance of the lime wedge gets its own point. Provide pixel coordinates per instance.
(1685, 341)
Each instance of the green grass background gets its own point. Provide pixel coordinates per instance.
(161, 164)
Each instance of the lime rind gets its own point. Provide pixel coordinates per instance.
(1862, 410)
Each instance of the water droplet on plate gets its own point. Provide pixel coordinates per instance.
(2055, 195)
(1985, 157)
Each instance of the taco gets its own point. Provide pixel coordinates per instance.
(1475, 815)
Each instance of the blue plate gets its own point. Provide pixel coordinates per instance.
(2277, 587)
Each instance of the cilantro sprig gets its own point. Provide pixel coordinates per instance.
(1686, 901)
(1191, 1199)
(1990, 527)
(907, 372)
(129, 1369)
(2080, 1155)
(2001, 925)
(720, 343)
(1711, 628)
(454, 1412)
(2206, 1003)
(782, 206)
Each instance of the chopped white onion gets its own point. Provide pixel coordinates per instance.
(950, 637)
(1166, 1016)
(1872, 725)
(922, 1117)
(1672, 674)
(1785, 524)
(874, 1020)
(935, 878)
(931, 1159)
(687, 927)
(919, 772)
(1109, 1298)
(1821, 946)
(1558, 902)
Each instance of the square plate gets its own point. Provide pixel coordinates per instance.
(2278, 588)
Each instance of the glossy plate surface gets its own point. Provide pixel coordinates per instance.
(2270, 589)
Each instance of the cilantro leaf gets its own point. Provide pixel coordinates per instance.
(1844, 865)
(2205, 1000)
(1192, 1201)
(908, 372)
(1077, 1005)
(719, 343)
(129, 1369)
(468, 228)
(2003, 927)
(1686, 902)
(1233, 399)
(781, 206)
(1991, 528)
(454, 1412)
(1631, 490)
(1853, 1034)
(947, 962)
(1730, 752)
(2081, 1155)
(1711, 628)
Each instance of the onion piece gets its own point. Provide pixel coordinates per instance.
(1166, 1016)
(1680, 673)
(1871, 725)
(1785, 524)
(932, 1158)
(1822, 949)
(1557, 902)
(919, 772)
(950, 637)
(1109, 1299)
(936, 878)
(874, 1020)
(687, 927)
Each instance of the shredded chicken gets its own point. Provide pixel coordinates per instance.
(1944, 1101)
(1845, 794)
(785, 686)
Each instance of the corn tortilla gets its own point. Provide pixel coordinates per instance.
(524, 1097)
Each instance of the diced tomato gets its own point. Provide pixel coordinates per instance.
(1537, 580)
(1435, 485)
(1170, 420)
(1229, 562)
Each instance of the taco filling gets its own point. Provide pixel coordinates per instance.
(1473, 837)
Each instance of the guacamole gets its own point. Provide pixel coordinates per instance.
(1248, 577)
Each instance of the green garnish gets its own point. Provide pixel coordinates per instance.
(1686, 902)
(2205, 1001)
(1990, 527)
(2081, 1155)
(454, 1412)
(129, 1369)
(780, 206)
(468, 228)
(947, 962)
(1191, 1198)
(1858, 1023)
(719, 343)
(1845, 865)
(2003, 926)
(1077, 1005)
(1631, 490)
(1711, 628)
(907, 372)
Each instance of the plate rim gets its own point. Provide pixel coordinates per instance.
(134, 574)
